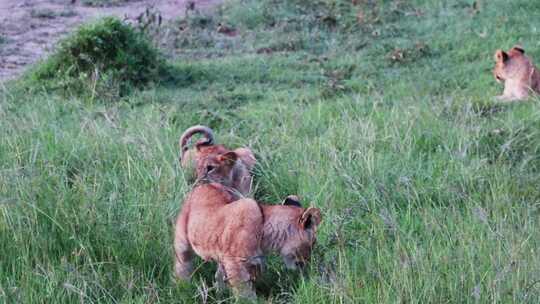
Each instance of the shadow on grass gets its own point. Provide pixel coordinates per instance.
(488, 109)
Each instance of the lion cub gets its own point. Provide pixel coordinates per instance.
(517, 72)
(193, 160)
(238, 233)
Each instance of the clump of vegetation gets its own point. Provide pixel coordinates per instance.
(409, 54)
(47, 13)
(103, 3)
(339, 14)
(107, 58)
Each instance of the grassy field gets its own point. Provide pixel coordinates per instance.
(381, 114)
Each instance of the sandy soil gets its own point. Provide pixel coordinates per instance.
(30, 28)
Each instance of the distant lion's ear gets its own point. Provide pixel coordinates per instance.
(518, 48)
(311, 218)
(291, 200)
(501, 56)
(228, 158)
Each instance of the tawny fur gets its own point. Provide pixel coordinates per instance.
(288, 231)
(236, 235)
(193, 159)
(517, 72)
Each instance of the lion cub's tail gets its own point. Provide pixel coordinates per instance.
(186, 136)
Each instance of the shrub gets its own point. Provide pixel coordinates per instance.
(108, 55)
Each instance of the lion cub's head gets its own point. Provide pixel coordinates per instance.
(291, 230)
(511, 64)
(516, 71)
(218, 167)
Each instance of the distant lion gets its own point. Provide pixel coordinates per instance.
(517, 72)
(196, 159)
(238, 233)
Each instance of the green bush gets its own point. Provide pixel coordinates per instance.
(107, 58)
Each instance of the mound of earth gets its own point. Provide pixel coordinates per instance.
(30, 29)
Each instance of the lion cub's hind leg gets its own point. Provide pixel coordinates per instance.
(239, 277)
(221, 278)
(183, 264)
(183, 252)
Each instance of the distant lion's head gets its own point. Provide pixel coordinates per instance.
(510, 65)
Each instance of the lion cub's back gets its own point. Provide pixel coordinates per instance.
(235, 229)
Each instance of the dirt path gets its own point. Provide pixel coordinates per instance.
(30, 28)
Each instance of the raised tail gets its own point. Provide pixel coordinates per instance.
(186, 136)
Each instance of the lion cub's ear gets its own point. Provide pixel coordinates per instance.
(311, 218)
(501, 56)
(291, 200)
(228, 158)
(518, 48)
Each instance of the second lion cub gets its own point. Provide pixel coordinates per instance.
(197, 159)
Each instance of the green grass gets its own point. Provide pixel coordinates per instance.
(429, 189)
(102, 3)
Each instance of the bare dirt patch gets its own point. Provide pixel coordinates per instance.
(29, 29)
